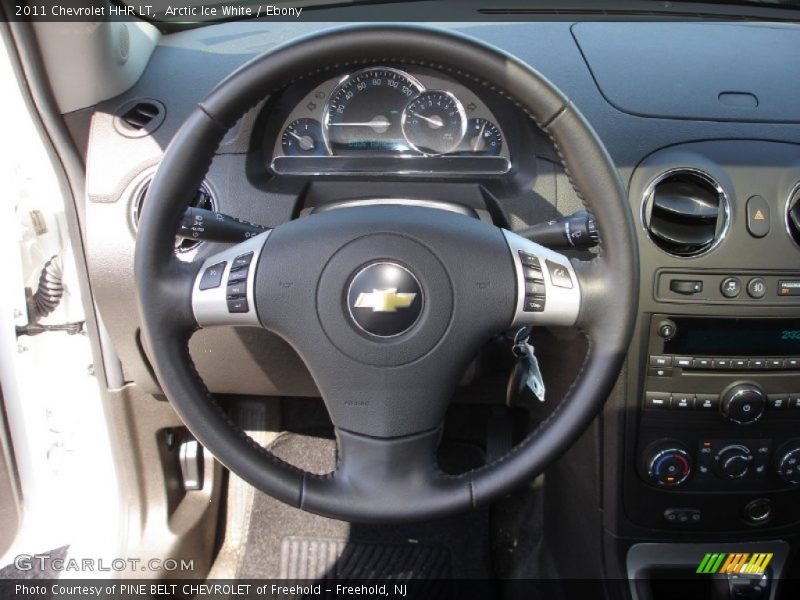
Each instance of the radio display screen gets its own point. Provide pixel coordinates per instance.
(734, 337)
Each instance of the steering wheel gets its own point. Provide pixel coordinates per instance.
(386, 305)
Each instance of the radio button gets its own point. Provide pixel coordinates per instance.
(794, 401)
(684, 362)
(758, 363)
(659, 372)
(658, 400)
(708, 402)
(721, 364)
(775, 363)
(702, 363)
(660, 361)
(793, 363)
(682, 401)
(740, 364)
(744, 403)
(777, 401)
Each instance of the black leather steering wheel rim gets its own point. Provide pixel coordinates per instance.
(609, 283)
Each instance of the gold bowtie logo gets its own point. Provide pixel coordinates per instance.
(387, 300)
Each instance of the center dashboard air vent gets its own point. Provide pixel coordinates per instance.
(685, 212)
(793, 215)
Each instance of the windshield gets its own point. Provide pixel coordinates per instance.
(200, 11)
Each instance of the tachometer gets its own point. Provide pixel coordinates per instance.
(364, 112)
(434, 122)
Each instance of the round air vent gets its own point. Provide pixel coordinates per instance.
(793, 215)
(202, 199)
(685, 212)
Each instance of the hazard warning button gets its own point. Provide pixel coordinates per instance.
(757, 216)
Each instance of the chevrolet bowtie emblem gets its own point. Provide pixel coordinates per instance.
(388, 300)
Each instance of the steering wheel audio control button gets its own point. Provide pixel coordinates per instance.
(529, 260)
(238, 305)
(546, 284)
(243, 260)
(231, 301)
(237, 290)
(239, 274)
(533, 304)
(212, 276)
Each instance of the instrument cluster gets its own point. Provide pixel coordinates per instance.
(387, 113)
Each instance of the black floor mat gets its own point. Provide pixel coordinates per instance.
(286, 542)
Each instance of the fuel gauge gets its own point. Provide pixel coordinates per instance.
(483, 138)
(303, 137)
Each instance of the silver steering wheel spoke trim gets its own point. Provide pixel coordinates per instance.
(548, 291)
(223, 291)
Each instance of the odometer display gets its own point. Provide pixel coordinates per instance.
(364, 112)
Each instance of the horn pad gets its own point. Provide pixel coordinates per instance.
(384, 299)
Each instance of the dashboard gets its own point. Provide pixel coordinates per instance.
(386, 119)
(708, 148)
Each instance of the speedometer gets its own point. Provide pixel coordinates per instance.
(364, 112)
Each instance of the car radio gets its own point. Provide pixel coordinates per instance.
(721, 403)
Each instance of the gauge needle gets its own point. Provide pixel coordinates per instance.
(478, 139)
(306, 141)
(435, 121)
(379, 124)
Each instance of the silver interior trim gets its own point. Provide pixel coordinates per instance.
(562, 305)
(700, 174)
(210, 307)
(448, 206)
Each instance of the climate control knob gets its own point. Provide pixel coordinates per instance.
(789, 466)
(734, 461)
(744, 403)
(668, 464)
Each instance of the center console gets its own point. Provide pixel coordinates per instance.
(719, 412)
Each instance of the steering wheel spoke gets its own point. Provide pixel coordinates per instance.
(223, 291)
(548, 288)
(387, 305)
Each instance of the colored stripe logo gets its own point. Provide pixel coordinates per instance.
(741, 563)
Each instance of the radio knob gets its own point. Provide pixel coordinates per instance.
(733, 462)
(744, 403)
(789, 466)
(668, 464)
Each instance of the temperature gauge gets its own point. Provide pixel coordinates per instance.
(483, 137)
(303, 137)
